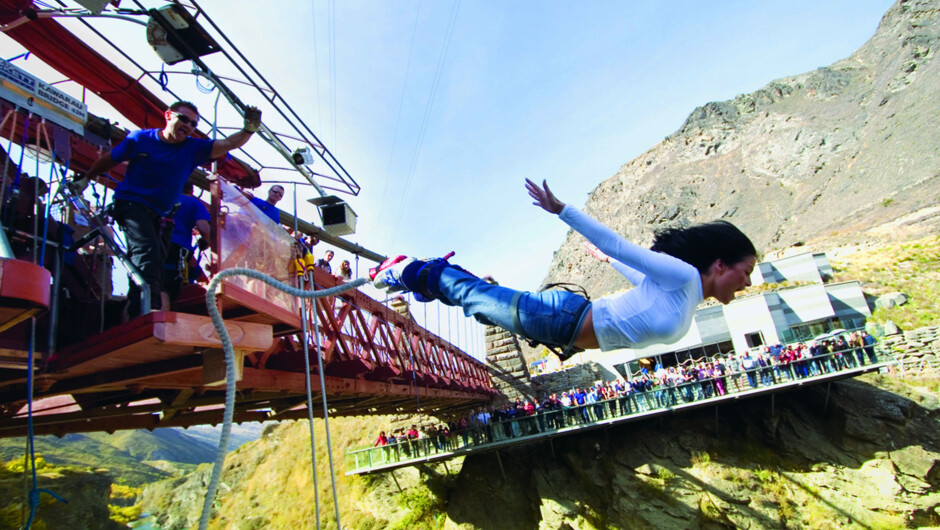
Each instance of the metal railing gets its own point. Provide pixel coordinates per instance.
(661, 397)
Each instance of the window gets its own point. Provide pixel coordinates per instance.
(754, 339)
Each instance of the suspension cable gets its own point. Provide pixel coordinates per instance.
(313, 452)
(326, 412)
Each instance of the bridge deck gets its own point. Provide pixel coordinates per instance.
(166, 368)
(546, 426)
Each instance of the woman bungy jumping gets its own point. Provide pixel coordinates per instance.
(683, 267)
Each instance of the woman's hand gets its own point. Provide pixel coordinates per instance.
(544, 198)
(596, 252)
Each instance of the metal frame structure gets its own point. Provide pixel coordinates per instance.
(163, 369)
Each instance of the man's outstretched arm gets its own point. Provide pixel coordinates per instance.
(252, 124)
(102, 165)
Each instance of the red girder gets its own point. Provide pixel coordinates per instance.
(359, 336)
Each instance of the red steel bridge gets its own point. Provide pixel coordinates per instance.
(94, 372)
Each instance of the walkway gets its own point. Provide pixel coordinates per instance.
(624, 409)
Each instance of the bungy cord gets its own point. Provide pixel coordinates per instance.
(230, 361)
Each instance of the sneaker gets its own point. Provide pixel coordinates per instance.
(387, 276)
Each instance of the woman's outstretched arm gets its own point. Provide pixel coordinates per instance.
(544, 198)
(665, 269)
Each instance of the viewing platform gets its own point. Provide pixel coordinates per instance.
(636, 406)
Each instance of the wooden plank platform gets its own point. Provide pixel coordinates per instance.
(157, 336)
(239, 304)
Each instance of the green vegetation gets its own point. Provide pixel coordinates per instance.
(21, 465)
(701, 458)
(282, 456)
(912, 268)
(425, 510)
(665, 475)
(123, 504)
(658, 484)
(902, 385)
(81, 451)
(124, 514)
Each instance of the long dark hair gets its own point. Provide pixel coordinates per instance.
(700, 245)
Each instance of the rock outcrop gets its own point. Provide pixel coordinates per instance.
(842, 154)
(87, 493)
(857, 456)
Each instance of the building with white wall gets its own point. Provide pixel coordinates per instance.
(803, 307)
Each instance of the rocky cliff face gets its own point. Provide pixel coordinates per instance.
(842, 154)
(87, 494)
(860, 457)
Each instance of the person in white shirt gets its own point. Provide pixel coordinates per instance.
(682, 268)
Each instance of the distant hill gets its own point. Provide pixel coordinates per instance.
(241, 434)
(86, 451)
(124, 453)
(160, 444)
(844, 154)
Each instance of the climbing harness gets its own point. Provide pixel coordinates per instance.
(563, 352)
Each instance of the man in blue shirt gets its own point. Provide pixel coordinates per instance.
(275, 193)
(159, 162)
(191, 214)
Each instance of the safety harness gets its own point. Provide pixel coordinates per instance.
(563, 352)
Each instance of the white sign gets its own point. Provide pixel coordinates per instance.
(42, 99)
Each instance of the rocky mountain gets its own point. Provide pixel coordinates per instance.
(174, 445)
(839, 155)
(241, 434)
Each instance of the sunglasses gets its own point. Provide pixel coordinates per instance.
(186, 120)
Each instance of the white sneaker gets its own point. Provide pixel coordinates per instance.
(387, 276)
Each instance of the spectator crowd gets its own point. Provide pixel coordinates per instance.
(647, 390)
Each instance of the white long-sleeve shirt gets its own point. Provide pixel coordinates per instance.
(659, 309)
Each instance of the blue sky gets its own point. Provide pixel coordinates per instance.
(557, 90)
(565, 91)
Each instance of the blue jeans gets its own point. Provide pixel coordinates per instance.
(549, 317)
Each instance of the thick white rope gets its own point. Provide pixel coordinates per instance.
(230, 361)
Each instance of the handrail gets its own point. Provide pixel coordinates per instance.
(629, 404)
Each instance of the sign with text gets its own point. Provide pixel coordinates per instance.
(42, 99)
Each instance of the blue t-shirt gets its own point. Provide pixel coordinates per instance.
(267, 208)
(157, 170)
(190, 211)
